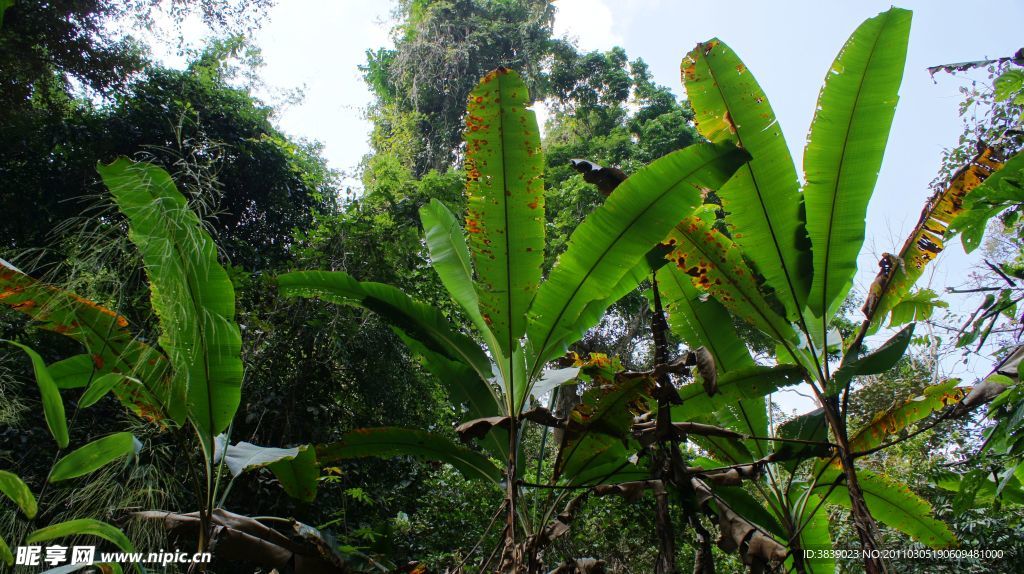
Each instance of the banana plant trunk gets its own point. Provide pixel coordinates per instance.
(867, 530)
(667, 450)
(863, 522)
(512, 559)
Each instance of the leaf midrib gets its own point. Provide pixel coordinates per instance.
(506, 198)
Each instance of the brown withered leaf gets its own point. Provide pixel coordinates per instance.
(581, 566)
(241, 538)
(732, 476)
(707, 369)
(532, 549)
(982, 393)
(605, 178)
(477, 428)
(543, 417)
(631, 491)
(755, 546)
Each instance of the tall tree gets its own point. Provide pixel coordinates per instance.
(441, 48)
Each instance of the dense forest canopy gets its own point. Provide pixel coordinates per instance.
(518, 346)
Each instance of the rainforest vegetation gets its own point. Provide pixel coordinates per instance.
(511, 346)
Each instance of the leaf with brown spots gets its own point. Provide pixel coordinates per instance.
(1003, 190)
(899, 273)
(505, 213)
(112, 347)
(715, 265)
(701, 321)
(889, 422)
(763, 201)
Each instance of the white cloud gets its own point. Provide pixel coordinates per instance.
(589, 22)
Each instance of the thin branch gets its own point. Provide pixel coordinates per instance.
(998, 271)
(462, 563)
(975, 290)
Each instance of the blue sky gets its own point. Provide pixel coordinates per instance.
(317, 45)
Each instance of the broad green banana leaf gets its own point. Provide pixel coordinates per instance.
(190, 292)
(891, 503)
(845, 148)
(609, 243)
(505, 193)
(618, 469)
(726, 450)
(745, 383)
(701, 321)
(750, 508)
(594, 311)
(94, 456)
(298, 476)
(813, 522)
(597, 428)
(763, 199)
(465, 389)
(450, 257)
(878, 361)
(387, 442)
(808, 427)
(417, 320)
(296, 468)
